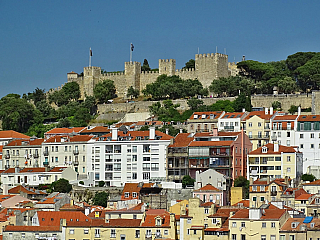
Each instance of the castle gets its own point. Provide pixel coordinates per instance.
(207, 68)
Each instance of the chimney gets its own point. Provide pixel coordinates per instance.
(243, 110)
(299, 111)
(167, 131)
(268, 179)
(181, 130)
(251, 181)
(114, 133)
(266, 111)
(255, 213)
(152, 133)
(71, 202)
(271, 110)
(276, 147)
(5, 189)
(286, 180)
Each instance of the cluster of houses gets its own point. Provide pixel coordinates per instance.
(269, 148)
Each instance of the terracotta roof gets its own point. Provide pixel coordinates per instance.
(81, 138)
(210, 143)
(148, 123)
(217, 114)
(58, 169)
(5, 197)
(303, 197)
(224, 212)
(228, 133)
(134, 134)
(216, 230)
(71, 207)
(130, 188)
(285, 118)
(279, 181)
(20, 188)
(309, 118)
(314, 183)
(9, 170)
(151, 214)
(65, 130)
(95, 129)
(72, 72)
(52, 218)
(10, 228)
(207, 134)
(233, 115)
(18, 142)
(32, 170)
(244, 203)
(12, 134)
(260, 114)
(268, 214)
(207, 188)
(288, 227)
(101, 222)
(206, 204)
(182, 140)
(270, 150)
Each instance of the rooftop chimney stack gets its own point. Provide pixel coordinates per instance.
(276, 147)
(114, 132)
(152, 133)
(266, 111)
(271, 110)
(299, 111)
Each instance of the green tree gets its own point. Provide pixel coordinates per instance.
(38, 95)
(287, 85)
(45, 108)
(244, 183)
(62, 186)
(276, 105)
(298, 59)
(308, 75)
(101, 199)
(81, 117)
(16, 113)
(104, 91)
(242, 101)
(71, 90)
(308, 177)
(64, 122)
(145, 67)
(132, 93)
(195, 103)
(101, 183)
(190, 64)
(293, 109)
(187, 181)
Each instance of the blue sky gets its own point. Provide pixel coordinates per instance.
(43, 40)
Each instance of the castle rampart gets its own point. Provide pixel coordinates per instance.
(207, 68)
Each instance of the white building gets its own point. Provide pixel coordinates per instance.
(128, 157)
(231, 122)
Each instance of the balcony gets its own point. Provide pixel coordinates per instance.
(219, 163)
(36, 155)
(75, 163)
(45, 164)
(228, 128)
(46, 153)
(76, 152)
(259, 136)
(7, 156)
(273, 193)
(199, 166)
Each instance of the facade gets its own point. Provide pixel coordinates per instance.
(231, 122)
(275, 161)
(212, 177)
(129, 157)
(212, 194)
(312, 187)
(308, 139)
(283, 129)
(203, 121)
(207, 68)
(257, 126)
(21, 153)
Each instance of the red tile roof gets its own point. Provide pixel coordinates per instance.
(9, 170)
(233, 115)
(65, 130)
(10, 228)
(270, 150)
(81, 138)
(33, 170)
(130, 188)
(314, 183)
(12, 134)
(5, 197)
(303, 197)
(279, 181)
(267, 214)
(148, 123)
(20, 188)
(285, 118)
(96, 129)
(18, 142)
(101, 222)
(244, 203)
(309, 118)
(288, 227)
(151, 214)
(182, 140)
(52, 218)
(217, 114)
(58, 169)
(206, 204)
(210, 143)
(260, 114)
(208, 188)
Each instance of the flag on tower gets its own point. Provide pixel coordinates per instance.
(132, 47)
(90, 52)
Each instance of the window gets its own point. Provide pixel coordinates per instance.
(189, 220)
(71, 231)
(146, 175)
(263, 224)
(137, 235)
(134, 194)
(288, 159)
(86, 231)
(113, 233)
(263, 237)
(262, 188)
(261, 199)
(311, 135)
(254, 188)
(273, 224)
(250, 124)
(188, 231)
(282, 237)
(234, 237)
(126, 194)
(288, 169)
(234, 224)
(214, 220)
(301, 135)
(312, 146)
(301, 146)
(148, 233)
(254, 199)
(23, 235)
(288, 134)
(292, 237)
(259, 124)
(243, 224)
(206, 210)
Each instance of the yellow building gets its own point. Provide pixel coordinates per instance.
(236, 195)
(275, 161)
(257, 126)
(263, 191)
(256, 224)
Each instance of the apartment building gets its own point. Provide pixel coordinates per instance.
(308, 139)
(129, 156)
(257, 126)
(231, 122)
(203, 121)
(283, 129)
(21, 153)
(10, 135)
(224, 152)
(275, 161)
(67, 151)
(257, 223)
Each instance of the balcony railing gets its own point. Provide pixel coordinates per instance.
(231, 128)
(75, 163)
(36, 155)
(273, 193)
(7, 156)
(45, 152)
(259, 136)
(45, 164)
(76, 152)
(199, 166)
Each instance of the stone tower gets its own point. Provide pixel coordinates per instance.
(91, 76)
(167, 66)
(132, 71)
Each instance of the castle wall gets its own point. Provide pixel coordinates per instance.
(167, 66)
(187, 73)
(147, 78)
(119, 80)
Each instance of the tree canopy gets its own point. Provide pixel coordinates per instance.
(187, 181)
(132, 93)
(104, 91)
(308, 177)
(190, 64)
(145, 66)
(62, 186)
(70, 91)
(101, 199)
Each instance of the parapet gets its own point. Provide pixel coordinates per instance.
(211, 55)
(167, 60)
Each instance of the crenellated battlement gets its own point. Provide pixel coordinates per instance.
(167, 60)
(211, 55)
(185, 70)
(150, 72)
(113, 74)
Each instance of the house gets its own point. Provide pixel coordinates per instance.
(72, 131)
(300, 229)
(10, 135)
(212, 177)
(32, 232)
(275, 161)
(53, 202)
(27, 192)
(231, 122)
(95, 130)
(209, 193)
(312, 187)
(203, 121)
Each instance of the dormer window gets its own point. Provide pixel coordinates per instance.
(264, 149)
(195, 116)
(294, 225)
(158, 221)
(134, 194)
(204, 116)
(126, 194)
(262, 188)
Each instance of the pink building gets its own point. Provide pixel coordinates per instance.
(210, 193)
